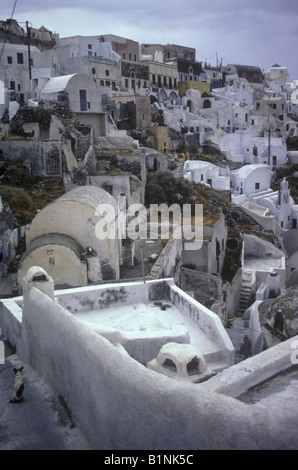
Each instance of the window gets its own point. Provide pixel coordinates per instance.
(53, 162)
(20, 58)
(90, 53)
(9, 59)
(123, 55)
(129, 56)
(255, 151)
(89, 46)
(108, 188)
(12, 85)
(257, 186)
(135, 57)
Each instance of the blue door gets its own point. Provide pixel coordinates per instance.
(83, 100)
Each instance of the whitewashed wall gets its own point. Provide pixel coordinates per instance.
(122, 405)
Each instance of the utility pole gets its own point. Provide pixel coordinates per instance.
(29, 52)
(269, 147)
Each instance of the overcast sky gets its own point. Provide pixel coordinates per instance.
(247, 32)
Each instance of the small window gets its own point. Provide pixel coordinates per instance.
(9, 59)
(108, 188)
(257, 186)
(123, 55)
(129, 56)
(89, 46)
(12, 85)
(20, 58)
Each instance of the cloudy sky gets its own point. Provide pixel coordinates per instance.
(253, 32)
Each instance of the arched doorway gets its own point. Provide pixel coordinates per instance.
(189, 105)
(207, 104)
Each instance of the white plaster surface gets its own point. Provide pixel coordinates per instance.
(140, 322)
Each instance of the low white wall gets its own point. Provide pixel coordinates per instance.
(11, 322)
(267, 222)
(122, 405)
(206, 320)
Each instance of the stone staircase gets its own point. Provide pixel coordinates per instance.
(251, 220)
(178, 172)
(245, 292)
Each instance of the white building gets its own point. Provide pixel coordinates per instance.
(249, 180)
(197, 171)
(89, 55)
(280, 204)
(240, 91)
(290, 244)
(277, 73)
(245, 148)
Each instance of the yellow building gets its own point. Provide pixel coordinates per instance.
(162, 141)
(202, 87)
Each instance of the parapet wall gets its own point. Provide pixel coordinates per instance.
(120, 404)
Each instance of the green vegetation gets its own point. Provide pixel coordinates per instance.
(24, 193)
(164, 187)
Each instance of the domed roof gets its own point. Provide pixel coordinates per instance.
(90, 195)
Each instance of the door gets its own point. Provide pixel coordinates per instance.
(83, 100)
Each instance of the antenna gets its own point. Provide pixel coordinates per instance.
(29, 52)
